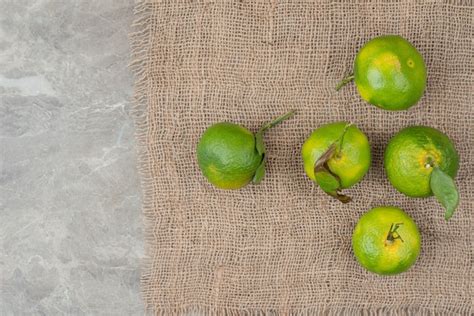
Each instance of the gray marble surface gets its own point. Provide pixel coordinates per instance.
(70, 215)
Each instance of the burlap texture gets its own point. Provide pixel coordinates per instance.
(284, 247)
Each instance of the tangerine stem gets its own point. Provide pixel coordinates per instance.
(259, 145)
(393, 234)
(277, 121)
(344, 81)
(430, 162)
(341, 139)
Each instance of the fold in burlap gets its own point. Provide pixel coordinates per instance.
(284, 247)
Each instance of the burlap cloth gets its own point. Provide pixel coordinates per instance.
(284, 247)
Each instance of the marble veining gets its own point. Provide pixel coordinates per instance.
(70, 213)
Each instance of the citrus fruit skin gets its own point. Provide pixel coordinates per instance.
(390, 73)
(227, 156)
(411, 155)
(350, 164)
(375, 252)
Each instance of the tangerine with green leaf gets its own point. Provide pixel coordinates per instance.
(389, 73)
(386, 240)
(421, 161)
(336, 156)
(230, 156)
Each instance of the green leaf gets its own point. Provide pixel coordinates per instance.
(327, 180)
(259, 173)
(444, 189)
(259, 144)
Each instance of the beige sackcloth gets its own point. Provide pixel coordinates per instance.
(284, 247)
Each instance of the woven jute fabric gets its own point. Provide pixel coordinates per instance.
(284, 247)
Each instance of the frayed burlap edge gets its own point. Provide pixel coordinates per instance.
(140, 43)
(370, 311)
